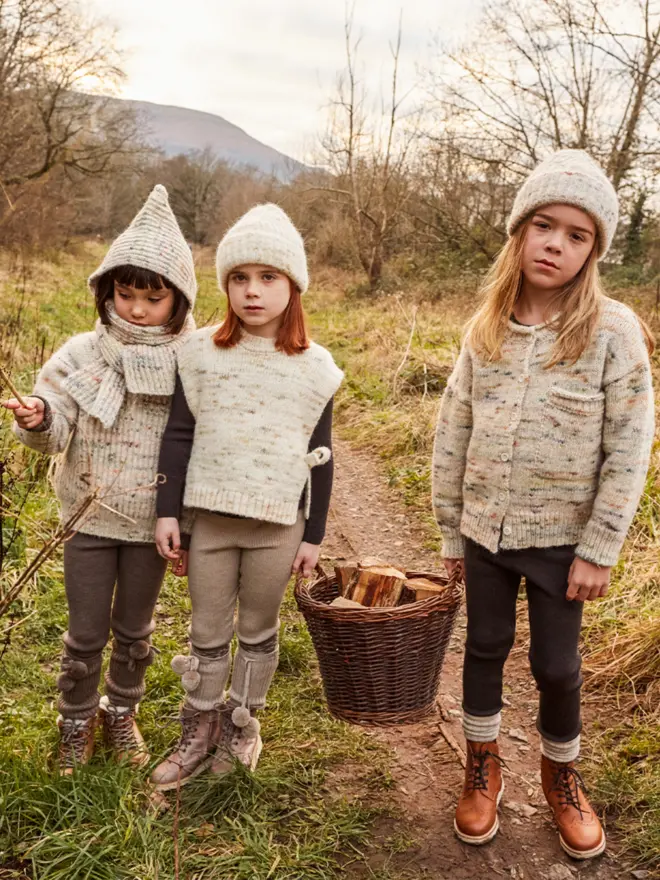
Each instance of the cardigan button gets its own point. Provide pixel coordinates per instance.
(504, 456)
(507, 530)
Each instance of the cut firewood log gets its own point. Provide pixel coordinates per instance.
(376, 586)
(343, 602)
(344, 573)
(423, 588)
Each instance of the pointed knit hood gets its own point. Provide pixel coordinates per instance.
(154, 241)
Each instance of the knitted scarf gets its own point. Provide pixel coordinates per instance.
(140, 360)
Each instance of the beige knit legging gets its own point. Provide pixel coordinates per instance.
(245, 564)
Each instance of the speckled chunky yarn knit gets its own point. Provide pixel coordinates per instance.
(108, 397)
(532, 457)
(570, 177)
(154, 241)
(265, 235)
(255, 409)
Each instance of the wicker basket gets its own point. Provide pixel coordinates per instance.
(380, 666)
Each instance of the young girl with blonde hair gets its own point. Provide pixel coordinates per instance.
(541, 453)
(102, 401)
(248, 448)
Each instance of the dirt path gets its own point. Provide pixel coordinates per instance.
(427, 771)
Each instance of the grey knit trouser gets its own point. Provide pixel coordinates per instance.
(109, 585)
(245, 565)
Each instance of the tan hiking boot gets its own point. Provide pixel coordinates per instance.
(236, 743)
(476, 820)
(199, 735)
(121, 733)
(580, 833)
(76, 742)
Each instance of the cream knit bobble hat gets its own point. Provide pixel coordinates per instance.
(154, 241)
(267, 236)
(570, 177)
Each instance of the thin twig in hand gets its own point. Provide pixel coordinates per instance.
(7, 380)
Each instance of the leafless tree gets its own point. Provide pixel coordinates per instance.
(55, 63)
(369, 155)
(545, 75)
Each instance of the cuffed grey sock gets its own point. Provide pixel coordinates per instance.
(481, 728)
(561, 753)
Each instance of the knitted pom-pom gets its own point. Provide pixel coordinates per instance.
(190, 680)
(76, 670)
(180, 664)
(318, 456)
(252, 728)
(241, 716)
(64, 683)
(140, 649)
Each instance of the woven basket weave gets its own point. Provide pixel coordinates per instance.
(380, 666)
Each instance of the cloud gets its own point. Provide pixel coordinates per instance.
(268, 66)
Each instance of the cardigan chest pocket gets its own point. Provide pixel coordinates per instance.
(569, 449)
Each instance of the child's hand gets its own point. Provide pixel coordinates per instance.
(587, 581)
(168, 538)
(306, 559)
(180, 566)
(451, 564)
(28, 418)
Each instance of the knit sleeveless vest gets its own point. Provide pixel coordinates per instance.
(255, 410)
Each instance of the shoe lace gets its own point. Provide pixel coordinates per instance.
(478, 769)
(121, 731)
(567, 783)
(73, 738)
(189, 726)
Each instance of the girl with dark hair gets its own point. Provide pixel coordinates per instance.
(102, 401)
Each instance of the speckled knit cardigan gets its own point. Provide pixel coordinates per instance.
(532, 457)
(108, 396)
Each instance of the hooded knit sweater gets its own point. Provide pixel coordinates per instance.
(532, 457)
(255, 409)
(107, 396)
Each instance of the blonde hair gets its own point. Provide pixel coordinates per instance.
(575, 309)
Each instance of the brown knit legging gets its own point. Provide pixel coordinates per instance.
(92, 568)
(243, 564)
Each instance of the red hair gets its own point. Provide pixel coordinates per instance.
(291, 338)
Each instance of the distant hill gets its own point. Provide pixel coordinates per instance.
(177, 130)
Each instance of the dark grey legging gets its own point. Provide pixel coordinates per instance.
(109, 585)
(492, 583)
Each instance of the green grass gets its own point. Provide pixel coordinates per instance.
(302, 808)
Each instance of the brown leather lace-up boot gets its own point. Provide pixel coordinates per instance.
(122, 735)
(580, 833)
(76, 743)
(476, 819)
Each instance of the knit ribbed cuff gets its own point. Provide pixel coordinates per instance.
(481, 729)
(561, 753)
(205, 688)
(599, 545)
(453, 544)
(251, 677)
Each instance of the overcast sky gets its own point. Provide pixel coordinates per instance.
(268, 65)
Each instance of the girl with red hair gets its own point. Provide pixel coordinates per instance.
(248, 448)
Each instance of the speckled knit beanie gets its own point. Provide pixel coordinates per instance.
(570, 177)
(264, 235)
(154, 241)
